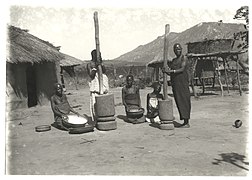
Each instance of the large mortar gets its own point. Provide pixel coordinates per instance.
(105, 107)
(165, 109)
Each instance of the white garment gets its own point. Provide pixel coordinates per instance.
(94, 84)
(94, 91)
(153, 103)
(92, 102)
(153, 120)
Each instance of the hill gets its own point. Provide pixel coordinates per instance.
(206, 30)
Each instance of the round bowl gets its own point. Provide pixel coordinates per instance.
(42, 128)
(74, 121)
(135, 113)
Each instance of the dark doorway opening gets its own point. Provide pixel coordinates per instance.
(31, 86)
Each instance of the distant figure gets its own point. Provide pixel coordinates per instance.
(92, 70)
(131, 101)
(60, 106)
(152, 103)
(180, 84)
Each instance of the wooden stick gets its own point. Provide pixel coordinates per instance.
(167, 30)
(225, 70)
(238, 76)
(218, 75)
(157, 74)
(97, 43)
(215, 53)
(194, 63)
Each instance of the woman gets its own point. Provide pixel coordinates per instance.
(152, 103)
(92, 70)
(180, 84)
(60, 106)
(132, 102)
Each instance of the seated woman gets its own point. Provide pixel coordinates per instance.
(152, 103)
(131, 101)
(60, 107)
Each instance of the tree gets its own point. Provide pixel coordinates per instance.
(242, 14)
(242, 37)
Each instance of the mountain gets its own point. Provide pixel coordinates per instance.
(206, 30)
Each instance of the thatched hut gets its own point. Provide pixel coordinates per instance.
(209, 55)
(157, 64)
(67, 64)
(31, 69)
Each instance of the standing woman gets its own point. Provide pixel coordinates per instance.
(180, 84)
(92, 70)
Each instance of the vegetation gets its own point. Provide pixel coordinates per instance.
(242, 14)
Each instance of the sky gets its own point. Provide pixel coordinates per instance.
(122, 27)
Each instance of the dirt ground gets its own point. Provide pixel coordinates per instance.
(210, 147)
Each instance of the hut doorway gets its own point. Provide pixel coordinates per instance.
(31, 86)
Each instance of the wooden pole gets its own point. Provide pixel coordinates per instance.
(156, 74)
(97, 43)
(218, 75)
(165, 106)
(225, 70)
(213, 73)
(202, 79)
(238, 76)
(167, 30)
(194, 62)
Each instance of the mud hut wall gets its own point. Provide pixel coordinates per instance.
(46, 77)
(16, 89)
(16, 85)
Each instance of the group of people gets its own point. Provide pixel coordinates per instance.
(177, 69)
(131, 100)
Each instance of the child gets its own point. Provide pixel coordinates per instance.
(152, 103)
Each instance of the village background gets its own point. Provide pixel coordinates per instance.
(135, 61)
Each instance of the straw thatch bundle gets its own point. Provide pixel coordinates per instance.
(210, 46)
(24, 47)
(157, 61)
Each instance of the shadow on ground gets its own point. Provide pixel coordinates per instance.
(232, 158)
(123, 117)
(199, 94)
(175, 123)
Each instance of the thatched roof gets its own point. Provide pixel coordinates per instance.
(210, 46)
(70, 61)
(157, 61)
(24, 47)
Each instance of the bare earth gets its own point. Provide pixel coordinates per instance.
(211, 147)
